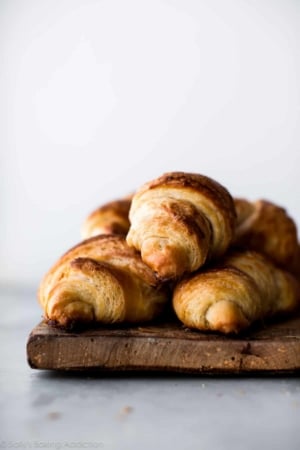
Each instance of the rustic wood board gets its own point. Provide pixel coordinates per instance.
(271, 349)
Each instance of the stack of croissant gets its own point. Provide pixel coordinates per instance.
(223, 263)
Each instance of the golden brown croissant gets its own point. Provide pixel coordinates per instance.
(267, 228)
(179, 221)
(111, 218)
(229, 298)
(101, 280)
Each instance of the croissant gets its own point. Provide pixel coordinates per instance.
(101, 280)
(229, 298)
(267, 228)
(179, 221)
(111, 218)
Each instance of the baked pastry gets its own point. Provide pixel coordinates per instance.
(179, 221)
(101, 280)
(247, 287)
(267, 228)
(110, 218)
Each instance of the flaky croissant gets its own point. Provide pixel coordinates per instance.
(245, 288)
(179, 221)
(110, 218)
(267, 228)
(101, 280)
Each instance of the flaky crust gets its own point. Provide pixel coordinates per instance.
(267, 228)
(245, 288)
(110, 218)
(101, 280)
(179, 221)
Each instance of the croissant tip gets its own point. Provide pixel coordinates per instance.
(227, 317)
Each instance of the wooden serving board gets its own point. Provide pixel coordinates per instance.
(272, 349)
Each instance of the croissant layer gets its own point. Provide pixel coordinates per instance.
(245, 288)
(110, 218)
(101, 280)
(266, 227)
(179, 221)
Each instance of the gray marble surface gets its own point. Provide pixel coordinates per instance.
(44, 409)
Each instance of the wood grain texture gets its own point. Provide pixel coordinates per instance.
(169, 347)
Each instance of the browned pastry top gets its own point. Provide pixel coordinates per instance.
(101, 280)
(266, 227)
(111, 249)
(230, 296)
(110, 218)
(180, 220)
(213, 190)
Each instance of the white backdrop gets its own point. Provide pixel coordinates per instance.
(99, 96)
